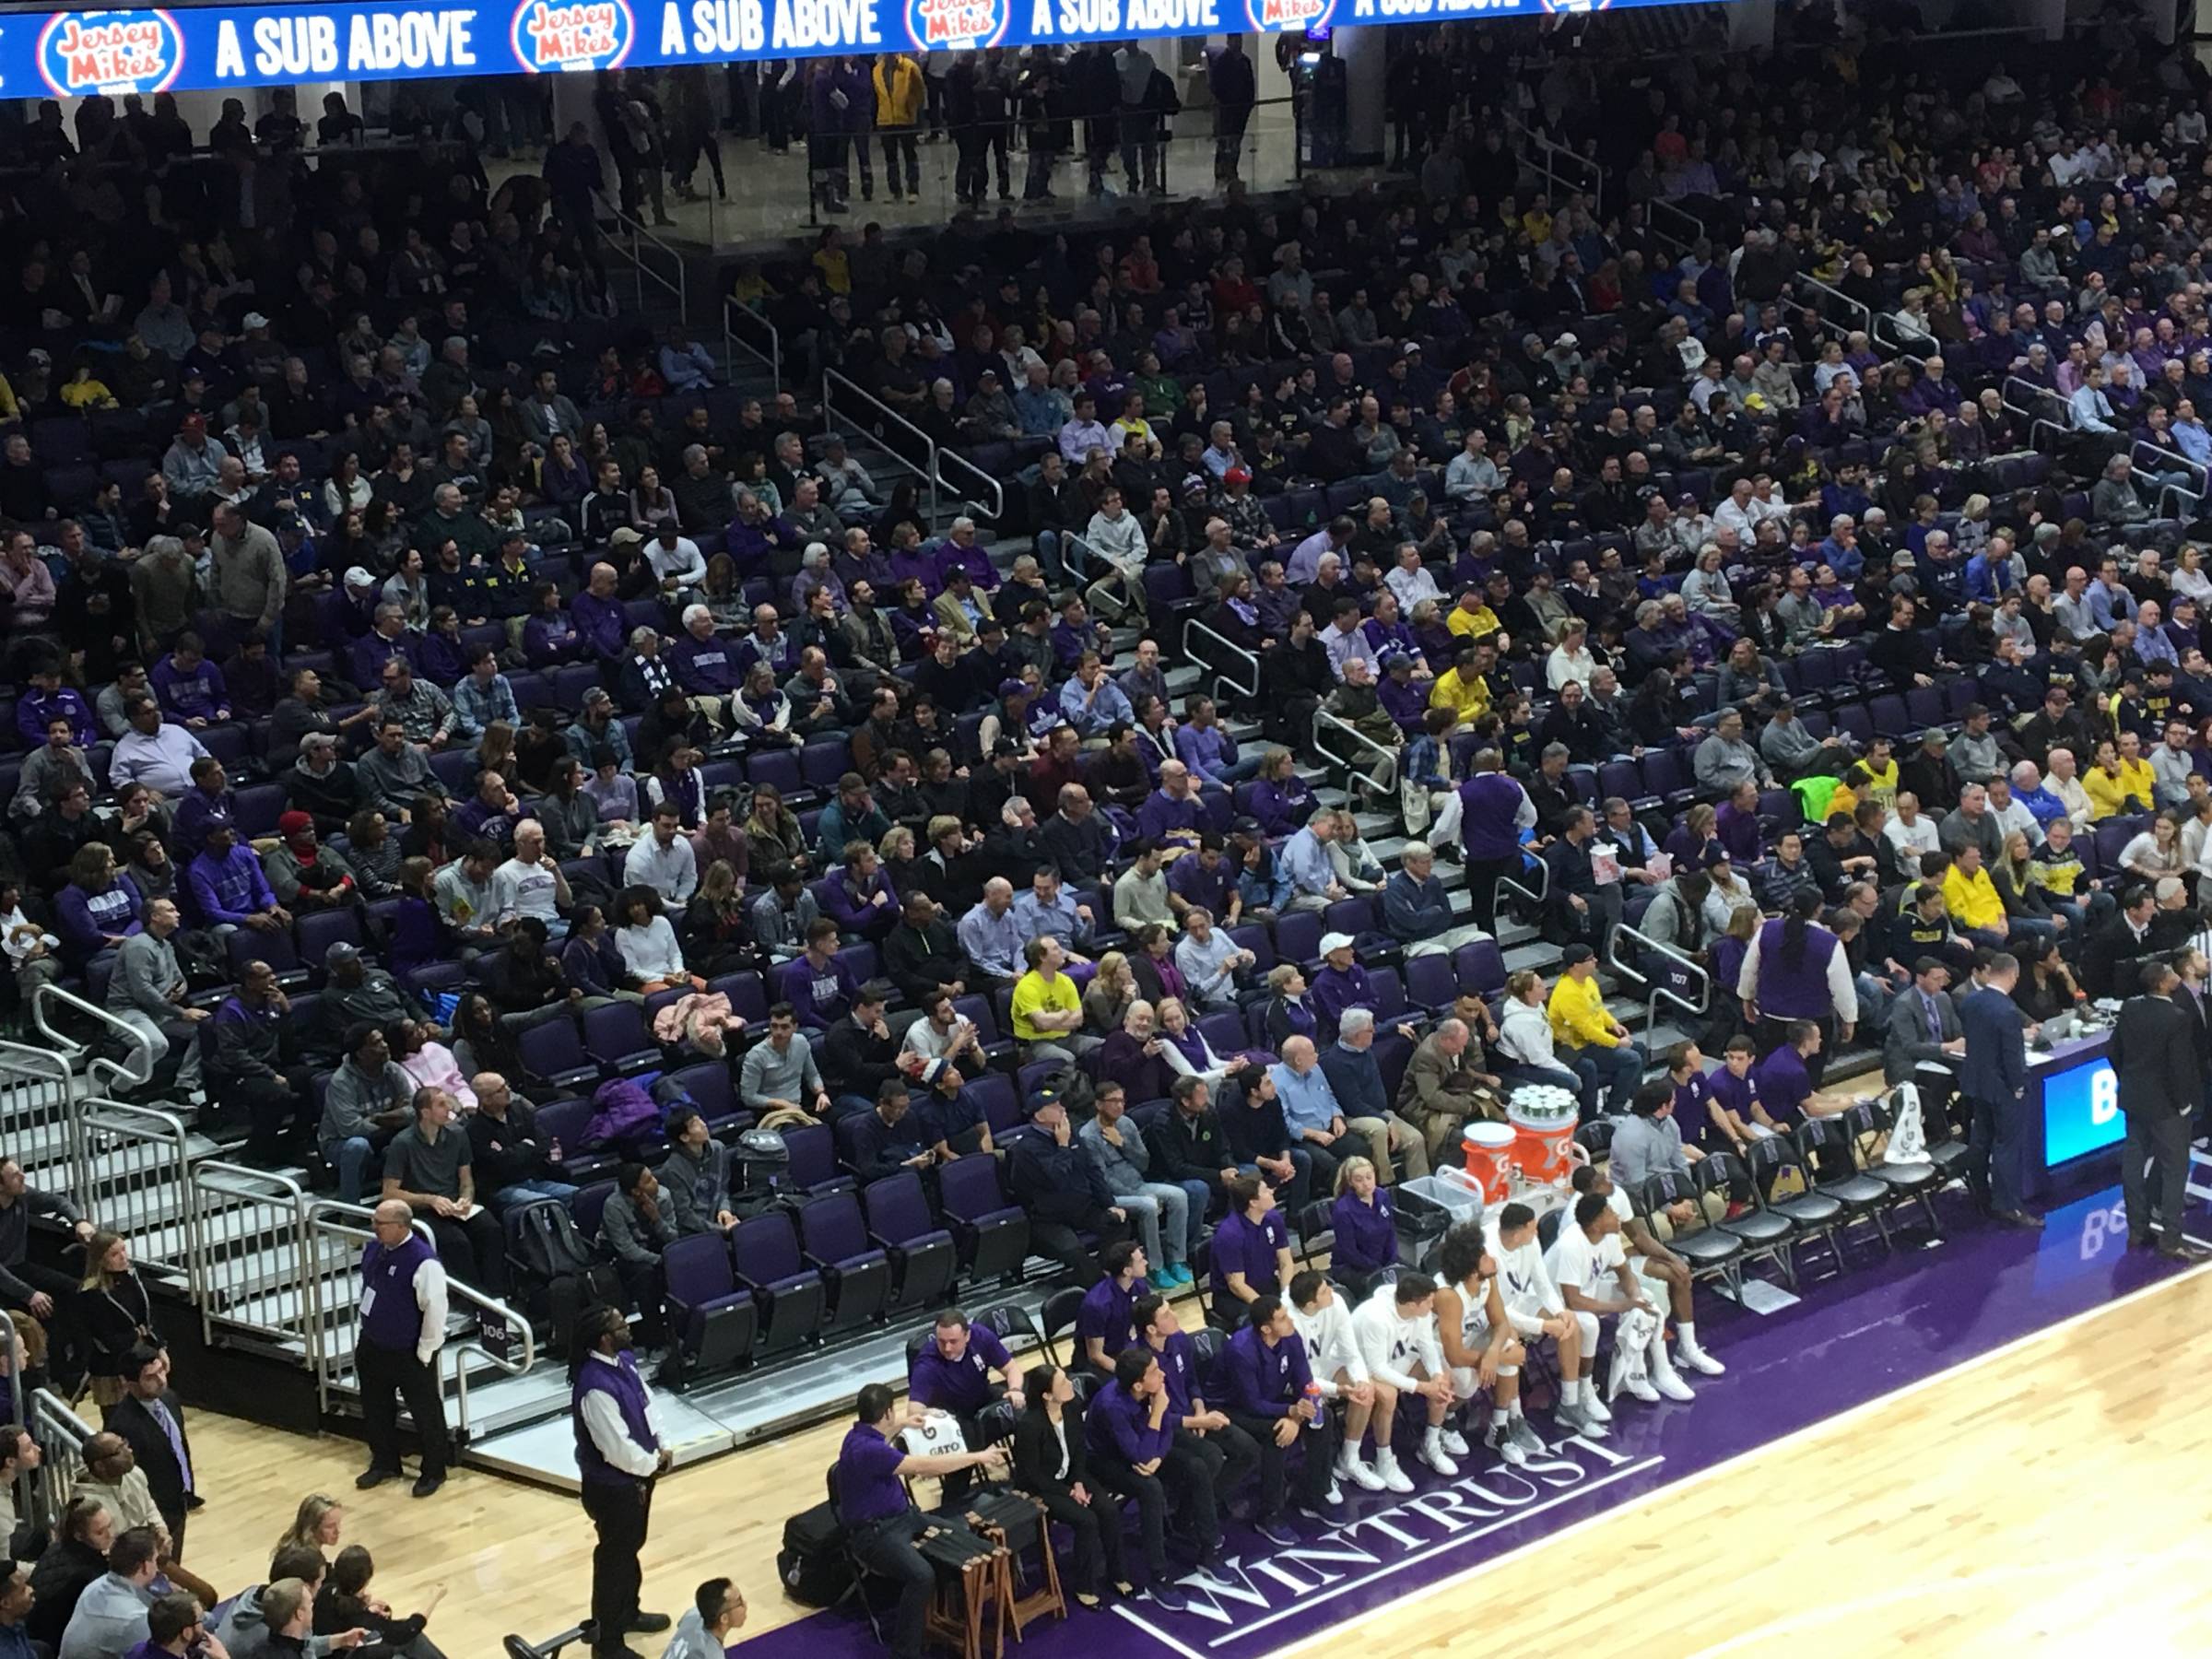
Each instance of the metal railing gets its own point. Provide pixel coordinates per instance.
(1565, 172)
(986, 499)
(97, 1070)
(249, 1253)
(770, 355)
(1381, 762)
(1229, 659)
(2032, 402)
(879, 421)
(673, 279)
(134, 1166)
(1657, 989)
(42, 1125)
(1858, 309)
(1535, 896)
(1888, 331)
(60, 1434)
(334, 1234)
(1690, 227)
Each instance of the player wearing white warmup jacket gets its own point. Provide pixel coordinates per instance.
(1535, 1307)
(1396, 1328)
(1325, 1323)
(1480, 1344)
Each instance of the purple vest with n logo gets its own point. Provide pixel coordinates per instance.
(621, 1381)
(1799, 993)
(394, 1321)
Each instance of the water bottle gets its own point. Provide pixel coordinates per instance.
(1314, 1398)
(553, 1151)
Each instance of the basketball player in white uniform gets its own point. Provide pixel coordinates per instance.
(1591, 1267)
(1666, 1284)
(1396, 1328)
(1533, 1309)
(1480, 1345)
(1324, 1325)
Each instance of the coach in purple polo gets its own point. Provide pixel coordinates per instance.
(618, 1458)
(1494, 809)
(951, 1373)
(395, 1354)
(880, 1519)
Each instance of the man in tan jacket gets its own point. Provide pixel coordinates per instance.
(1441, 1089)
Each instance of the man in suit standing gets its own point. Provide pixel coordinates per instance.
(1922, 1028)
(2194, 997)
(152, 1421)
(1994, 1078)
(2155, 1064)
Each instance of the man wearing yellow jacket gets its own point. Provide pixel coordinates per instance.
(1972, 898)
(899, 92)
(1589, 1039)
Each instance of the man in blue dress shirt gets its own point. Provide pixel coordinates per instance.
(881, 1521)
(1265, 1382)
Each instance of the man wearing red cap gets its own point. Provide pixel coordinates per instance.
(1249, 526)
(304, 874)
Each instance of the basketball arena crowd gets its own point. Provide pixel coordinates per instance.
(610, 820)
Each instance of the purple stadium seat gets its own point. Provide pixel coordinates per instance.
(764, 1251)
(715, 1321)
(588, 1206)
(993, 1233)
(1481, 967)
(994, 1092)
(616, 1037)
(812, 1161)
(275, 947)
(317, 931)
(1430, 981)
(1253, 936)
(1223, 1031)
(1924, 704)
(921, 1254)
(778, 768)
(553, 1053)
(563, 1120)
(258, 804)
(822, 763)
(1298, 938)
(834, 1235)
(747, 996)
(708, 1084)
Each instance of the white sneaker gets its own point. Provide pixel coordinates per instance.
(1386, 1465)
(1350, 1466)
(1594, 1408)
(1454, 1443)
(1698, 1359)
(1435, 1456)
(1334, 1495)
(1509, 1449)
(1641, 1386)
(1669, 1381)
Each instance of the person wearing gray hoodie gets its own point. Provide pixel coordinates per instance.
(710, 1625)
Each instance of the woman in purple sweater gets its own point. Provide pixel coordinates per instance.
(1364, 1220)
(1281, 800)
(99, 909)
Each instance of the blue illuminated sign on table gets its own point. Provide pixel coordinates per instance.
(2081, 1113)
(205, 48)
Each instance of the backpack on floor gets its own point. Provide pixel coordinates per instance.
(812, 1562)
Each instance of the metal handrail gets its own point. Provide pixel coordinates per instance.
(48, 993)
(124, 1204)
(638, 235)
(1659, 205)
(1196, 632)
(1895, 341)
(329, 1218)
(1538, 896)
(732, 341)
(997, 509)
(832, 380)
(2186, 500)
(486, 1307)
(242, 1184)
(1658, 992)
(51, 1065)
(2026, 407)
(2059, 431)
(1362, 744)
(2152, 458)
(1858, 307)
(61, 1435)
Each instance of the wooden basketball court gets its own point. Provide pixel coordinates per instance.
(2046, 1497)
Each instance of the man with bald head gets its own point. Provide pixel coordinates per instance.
(403, 1308)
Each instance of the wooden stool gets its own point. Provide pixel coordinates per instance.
(974, 1586)
(1014, 1521)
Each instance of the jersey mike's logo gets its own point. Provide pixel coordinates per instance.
(111, 52)
(587, 34)
(957, 25)
(1287, 17)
